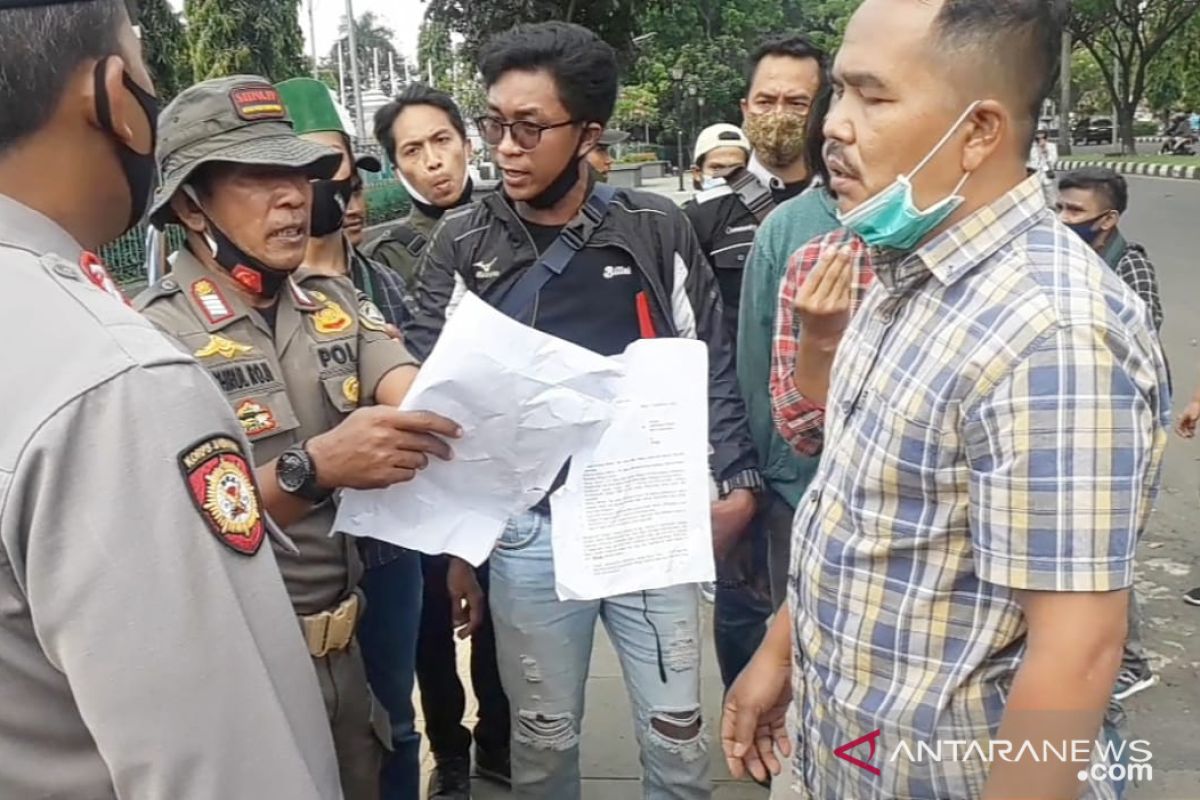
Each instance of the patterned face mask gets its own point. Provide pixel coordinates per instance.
(777, 136)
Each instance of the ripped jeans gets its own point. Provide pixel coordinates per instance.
(544, 647)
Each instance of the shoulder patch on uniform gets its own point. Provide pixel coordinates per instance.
(221, 484)
(257, 102)
(370, 317)
(211, 301)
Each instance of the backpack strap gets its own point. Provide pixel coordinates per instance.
(520, 299)
(754, 194)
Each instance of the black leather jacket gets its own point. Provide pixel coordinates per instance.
(484, 248)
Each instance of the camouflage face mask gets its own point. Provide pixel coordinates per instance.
(778, 136)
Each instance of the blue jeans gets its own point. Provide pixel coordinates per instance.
(545, 647)
(388, 637)
(740, 617)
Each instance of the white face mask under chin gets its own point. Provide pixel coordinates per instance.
(420, 198)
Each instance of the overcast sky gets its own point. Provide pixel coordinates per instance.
(402, 16)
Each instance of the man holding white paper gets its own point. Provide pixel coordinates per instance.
(601, 268)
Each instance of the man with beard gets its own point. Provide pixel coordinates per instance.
(603, 268)
(304, 360)
(147, 646)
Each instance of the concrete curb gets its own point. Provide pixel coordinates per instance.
(1177, 171)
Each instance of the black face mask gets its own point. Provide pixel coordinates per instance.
(330, 199)
(139, 168)
(563, 184)
(251, 274)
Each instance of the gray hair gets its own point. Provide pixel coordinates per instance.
(40, 49)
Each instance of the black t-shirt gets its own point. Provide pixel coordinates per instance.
(594, 302)
(789, 190)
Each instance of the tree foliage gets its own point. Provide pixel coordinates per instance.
(257, 37)
(371, 36)
(1126, 38)
(164, 47)
(477, 20)
(1173, 79)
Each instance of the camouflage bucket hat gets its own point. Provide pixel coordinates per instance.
(239, 120)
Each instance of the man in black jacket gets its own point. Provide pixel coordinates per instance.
(637, 272)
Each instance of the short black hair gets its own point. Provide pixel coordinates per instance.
(788, 45)
(583, 65)
(1101, 180)
(415, 94)
(1020, 41)
(40, 49)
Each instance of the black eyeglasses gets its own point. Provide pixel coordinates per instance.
(527, 135)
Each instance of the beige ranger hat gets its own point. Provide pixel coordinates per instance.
(240, 120)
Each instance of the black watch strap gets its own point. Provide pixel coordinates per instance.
(300, 479)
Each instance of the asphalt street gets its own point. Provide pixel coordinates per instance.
(1164, 216)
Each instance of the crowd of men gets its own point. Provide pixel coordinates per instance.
(937, 402)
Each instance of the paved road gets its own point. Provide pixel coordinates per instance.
(1165, 216)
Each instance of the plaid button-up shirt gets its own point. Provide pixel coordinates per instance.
(996, 422)
(800, 420)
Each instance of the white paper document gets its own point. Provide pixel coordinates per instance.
(634, 513)
(526, 402)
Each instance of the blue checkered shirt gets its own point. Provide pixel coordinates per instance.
(388, 291)
(996, 422)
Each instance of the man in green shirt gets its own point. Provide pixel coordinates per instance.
(789, 227)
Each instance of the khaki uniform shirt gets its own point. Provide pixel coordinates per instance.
(327, 355)
(147, 646)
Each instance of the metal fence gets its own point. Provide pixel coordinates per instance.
(126, 257)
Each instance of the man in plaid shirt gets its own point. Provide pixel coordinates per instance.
(995, 423)
(807, 296)
(1091, 202)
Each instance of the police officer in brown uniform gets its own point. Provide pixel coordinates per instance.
(295, 356)
(147, 646)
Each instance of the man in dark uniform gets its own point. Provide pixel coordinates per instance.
(147, 645)
(301, 358)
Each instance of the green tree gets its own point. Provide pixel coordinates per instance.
(1126, 38)
(1173, 80)
(371, 36)
(257, 37)
(164, 47)
(478, 20)
(637, 109)
(435, 52)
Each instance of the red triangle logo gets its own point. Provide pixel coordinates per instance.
(843, 752)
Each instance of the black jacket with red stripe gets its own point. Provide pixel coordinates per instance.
(484, 248)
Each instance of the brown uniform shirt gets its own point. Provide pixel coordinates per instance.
(327, 355)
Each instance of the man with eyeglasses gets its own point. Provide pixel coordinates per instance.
(603, 268)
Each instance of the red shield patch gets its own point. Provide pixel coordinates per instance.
(258, 102)
(222, 486)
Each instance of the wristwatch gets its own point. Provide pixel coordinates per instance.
(296, 473)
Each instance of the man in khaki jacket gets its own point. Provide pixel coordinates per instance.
(304, 360)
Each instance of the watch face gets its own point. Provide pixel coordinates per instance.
(291, 471)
